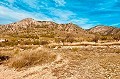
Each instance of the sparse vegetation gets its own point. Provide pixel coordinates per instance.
(30, 58)
(116, 37)
(96, 38)
(3, 58)
(44, 42)
(29, 36)
(49, 35)
(103, 38)
(59, 50)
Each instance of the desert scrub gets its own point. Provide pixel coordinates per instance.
(34, 42)
(31, 58)
(48, 35)
(117, 51)
(44, 42)
(111, 64)
(9, 43)
(3, 58)
(74, 49)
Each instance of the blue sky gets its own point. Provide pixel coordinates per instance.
(85, 13)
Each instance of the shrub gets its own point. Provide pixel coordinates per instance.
(96, 38)
(9, 43)
(117, 51)
(75, 49)
(48, 35)
(3, 58)
(71, 40)
(38, 26)
(103, 38)
(44, 42)
(116, 37)
(31, 58)
(29, 36)
(2, 44)
(27, 42)
(58, 40)
(36, 42)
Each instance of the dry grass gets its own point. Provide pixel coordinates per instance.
(31, 57)
(91, 62)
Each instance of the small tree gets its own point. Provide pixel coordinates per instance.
(116, 37)
(67, 38)
(96, 38)
(103, 38)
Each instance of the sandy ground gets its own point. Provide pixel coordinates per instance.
(36, 72)
(63, 68)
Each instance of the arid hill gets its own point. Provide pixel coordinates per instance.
(51, 31)
(105, 30)
(30, 26)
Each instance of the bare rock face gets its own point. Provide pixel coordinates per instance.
(105, 30)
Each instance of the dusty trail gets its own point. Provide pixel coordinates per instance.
(36, 72)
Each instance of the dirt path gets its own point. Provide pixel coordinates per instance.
(37, 72)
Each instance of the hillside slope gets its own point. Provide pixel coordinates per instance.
(105, 30)
(30, 26)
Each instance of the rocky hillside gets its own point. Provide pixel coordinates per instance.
(105, 30)
(31, 23)
(23, 24)
(30, 26)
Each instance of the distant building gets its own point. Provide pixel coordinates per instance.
(2, 40)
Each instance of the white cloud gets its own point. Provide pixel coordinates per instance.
(60, 2)
(62, 14)
(11, 1)
(80, 20)
(87, 26)
(32, 3)
(116, 24)
(66, 16)
(83, 22)
(4, 11)
(20, 14)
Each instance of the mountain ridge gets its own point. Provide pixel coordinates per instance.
(31, 23)
(43, 28)
(30, 26)
(105, 30)
(29, 20)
